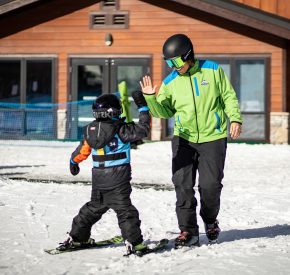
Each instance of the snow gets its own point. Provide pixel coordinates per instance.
(38, 202)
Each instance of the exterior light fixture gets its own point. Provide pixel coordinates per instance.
(108, 39)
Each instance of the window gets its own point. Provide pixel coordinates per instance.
(10, 81)
(250, 85)
(27, 97)
(38, 82)
(248, 76)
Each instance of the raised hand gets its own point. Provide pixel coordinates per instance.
(146, 86)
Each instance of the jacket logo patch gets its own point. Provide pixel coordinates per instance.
(113, 144)
(204, 82)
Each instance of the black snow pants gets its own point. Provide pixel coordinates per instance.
(117, 199)
(208, 159)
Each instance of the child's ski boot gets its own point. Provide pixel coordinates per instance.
(70, 244)
(139, 249)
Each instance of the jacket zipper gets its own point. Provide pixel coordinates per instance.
(194, 103)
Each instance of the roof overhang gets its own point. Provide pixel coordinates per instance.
(233, 16)
(244, 15)
(223, 13)
(9, 5)
(19, 15)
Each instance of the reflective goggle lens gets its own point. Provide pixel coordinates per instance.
(176, 62)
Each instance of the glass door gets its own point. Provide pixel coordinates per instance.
(129, 72)
(90, 79)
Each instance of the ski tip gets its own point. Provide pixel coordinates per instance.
(52, 251)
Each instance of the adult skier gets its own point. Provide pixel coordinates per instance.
(200, 97)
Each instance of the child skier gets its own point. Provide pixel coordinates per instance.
(108, 139)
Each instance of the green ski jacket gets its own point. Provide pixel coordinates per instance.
(200, 101)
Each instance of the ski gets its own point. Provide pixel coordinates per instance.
(89, 245)
(162, 244)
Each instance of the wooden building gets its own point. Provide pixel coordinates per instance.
(58, 55)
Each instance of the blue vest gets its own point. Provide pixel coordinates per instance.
(114, 153)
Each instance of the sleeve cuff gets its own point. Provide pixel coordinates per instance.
(149, 94)
(72, 162)
(143, 109)
(236, 122)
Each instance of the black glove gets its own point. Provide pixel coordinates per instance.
(139, 99)
(74, 168)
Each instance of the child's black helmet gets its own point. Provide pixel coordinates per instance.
(107, 106)
(178, 45)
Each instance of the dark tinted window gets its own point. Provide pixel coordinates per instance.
(9, 81)
(38, 82)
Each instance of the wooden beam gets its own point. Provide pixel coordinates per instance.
(242, 14)
(38, 12)
(208, 13)
(6, 6)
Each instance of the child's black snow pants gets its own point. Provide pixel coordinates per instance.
(117, 199)
(208, 159)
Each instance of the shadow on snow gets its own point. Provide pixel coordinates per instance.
(263, 232)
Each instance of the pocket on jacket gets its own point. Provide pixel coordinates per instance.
(218, 121)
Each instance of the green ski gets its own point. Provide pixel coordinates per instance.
(80, 246)
(159, 246)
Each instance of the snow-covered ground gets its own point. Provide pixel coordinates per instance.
(36, 214)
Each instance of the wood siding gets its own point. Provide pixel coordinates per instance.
(149, 26)
(277, 7)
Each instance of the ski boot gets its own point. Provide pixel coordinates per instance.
(71, 244)
(139, 249)
(212, 231)
(186, 239)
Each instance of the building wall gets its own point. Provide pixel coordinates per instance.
(149, 26)
(278, 7)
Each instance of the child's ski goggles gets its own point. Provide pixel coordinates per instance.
(176, 62)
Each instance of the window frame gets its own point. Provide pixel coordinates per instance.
(23, 95)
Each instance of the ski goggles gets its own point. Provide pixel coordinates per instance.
(176, 62)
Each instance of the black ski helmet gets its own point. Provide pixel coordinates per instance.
(178, 45)
(106, 107)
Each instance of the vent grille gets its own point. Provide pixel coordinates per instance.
(109, 3)
(119, 19)
(99, 19)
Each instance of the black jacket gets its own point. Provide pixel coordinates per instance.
(109, 143)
